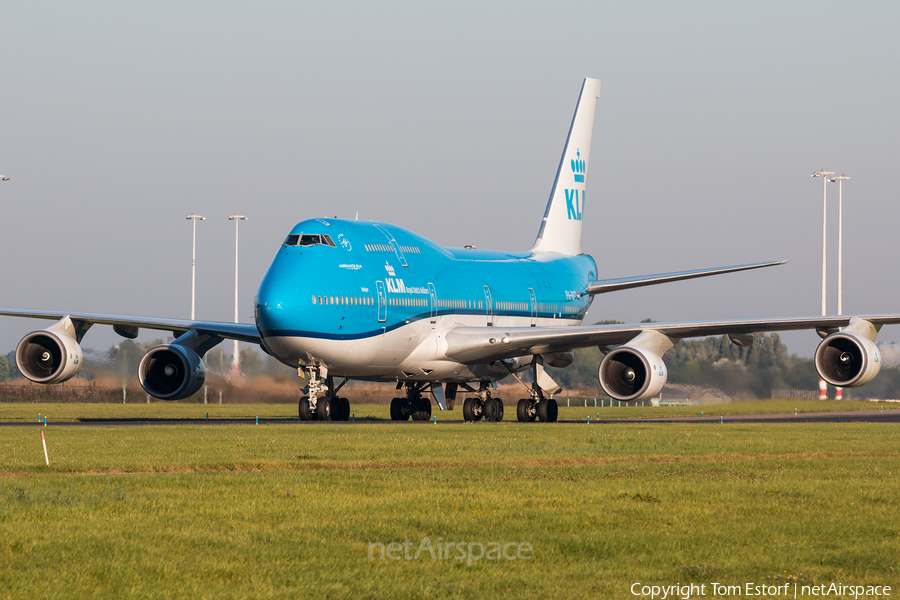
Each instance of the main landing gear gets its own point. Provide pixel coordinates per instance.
(322, 402)
(537, 406)
(545, 409)
(414, 405)
(483, 406)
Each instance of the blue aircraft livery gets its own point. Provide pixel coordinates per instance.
(364, 300)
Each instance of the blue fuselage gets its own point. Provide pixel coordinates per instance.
(363, 298)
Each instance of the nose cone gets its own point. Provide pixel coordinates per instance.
(280, 302)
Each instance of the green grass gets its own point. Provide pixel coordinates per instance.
(60, 412)
(288, 510)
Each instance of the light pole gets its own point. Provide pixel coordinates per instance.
(824, 174)
(840, 182)
(236, 358)
(194, 218)
(823, 388)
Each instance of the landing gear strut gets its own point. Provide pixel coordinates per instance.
(483, 406)
(414, 405)
(322, 402)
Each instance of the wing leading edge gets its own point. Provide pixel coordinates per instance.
(129, 324)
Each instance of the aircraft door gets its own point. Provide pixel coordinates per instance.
(488, 306)
(394, 245)
(533, 307)
(382, 302)
(433, 296)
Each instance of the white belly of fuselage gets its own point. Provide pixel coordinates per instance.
(414, 351)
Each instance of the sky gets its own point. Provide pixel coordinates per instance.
(119, 119)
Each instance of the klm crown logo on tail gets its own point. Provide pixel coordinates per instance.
(578, 167)
(574, 204)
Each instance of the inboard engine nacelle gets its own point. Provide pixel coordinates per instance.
(632, 374)
(48, 356)
(171, 372)
(847, 359)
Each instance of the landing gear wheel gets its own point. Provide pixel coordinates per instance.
(397, 409)
(525, 411)
(493, 409)
(472, 409)
(340, 409)
(305, 414)
(422, 410)
(548, 411)
(323, 408)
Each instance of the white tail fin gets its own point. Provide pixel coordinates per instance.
(561, 228)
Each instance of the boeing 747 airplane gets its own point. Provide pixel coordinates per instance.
(390, 305)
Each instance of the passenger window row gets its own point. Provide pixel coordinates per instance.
(424, 303)
(345, 300)
(389, 248)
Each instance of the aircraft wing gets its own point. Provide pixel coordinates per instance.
(603, 286)
(472, 345)
(128, 325)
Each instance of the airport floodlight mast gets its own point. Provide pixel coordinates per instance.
(840, 181)
(236, 358)
(194, 218)
(823, 389)
(823, 173)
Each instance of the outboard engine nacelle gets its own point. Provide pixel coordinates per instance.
(632, 374)
(48, 356)
(171, 372)
(847, 359)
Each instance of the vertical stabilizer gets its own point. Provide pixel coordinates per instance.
(561, 228)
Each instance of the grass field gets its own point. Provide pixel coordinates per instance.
(281, 510)
(57, 412)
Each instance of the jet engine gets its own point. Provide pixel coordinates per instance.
(48, 356)
(632, 374)
(847, 359)
(171, 372)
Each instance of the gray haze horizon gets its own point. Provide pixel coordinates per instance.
(117, 120)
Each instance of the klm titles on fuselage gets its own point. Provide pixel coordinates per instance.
(575, 198)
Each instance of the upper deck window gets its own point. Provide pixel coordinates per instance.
(308, 239)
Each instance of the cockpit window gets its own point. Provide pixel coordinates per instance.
(308, 239)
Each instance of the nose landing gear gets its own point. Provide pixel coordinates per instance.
(322, 402)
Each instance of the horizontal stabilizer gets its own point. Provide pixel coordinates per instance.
(603, 286)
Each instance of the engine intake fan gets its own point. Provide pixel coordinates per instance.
(171, 372)
(48, 356)
(847, 359)
(632, 374)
